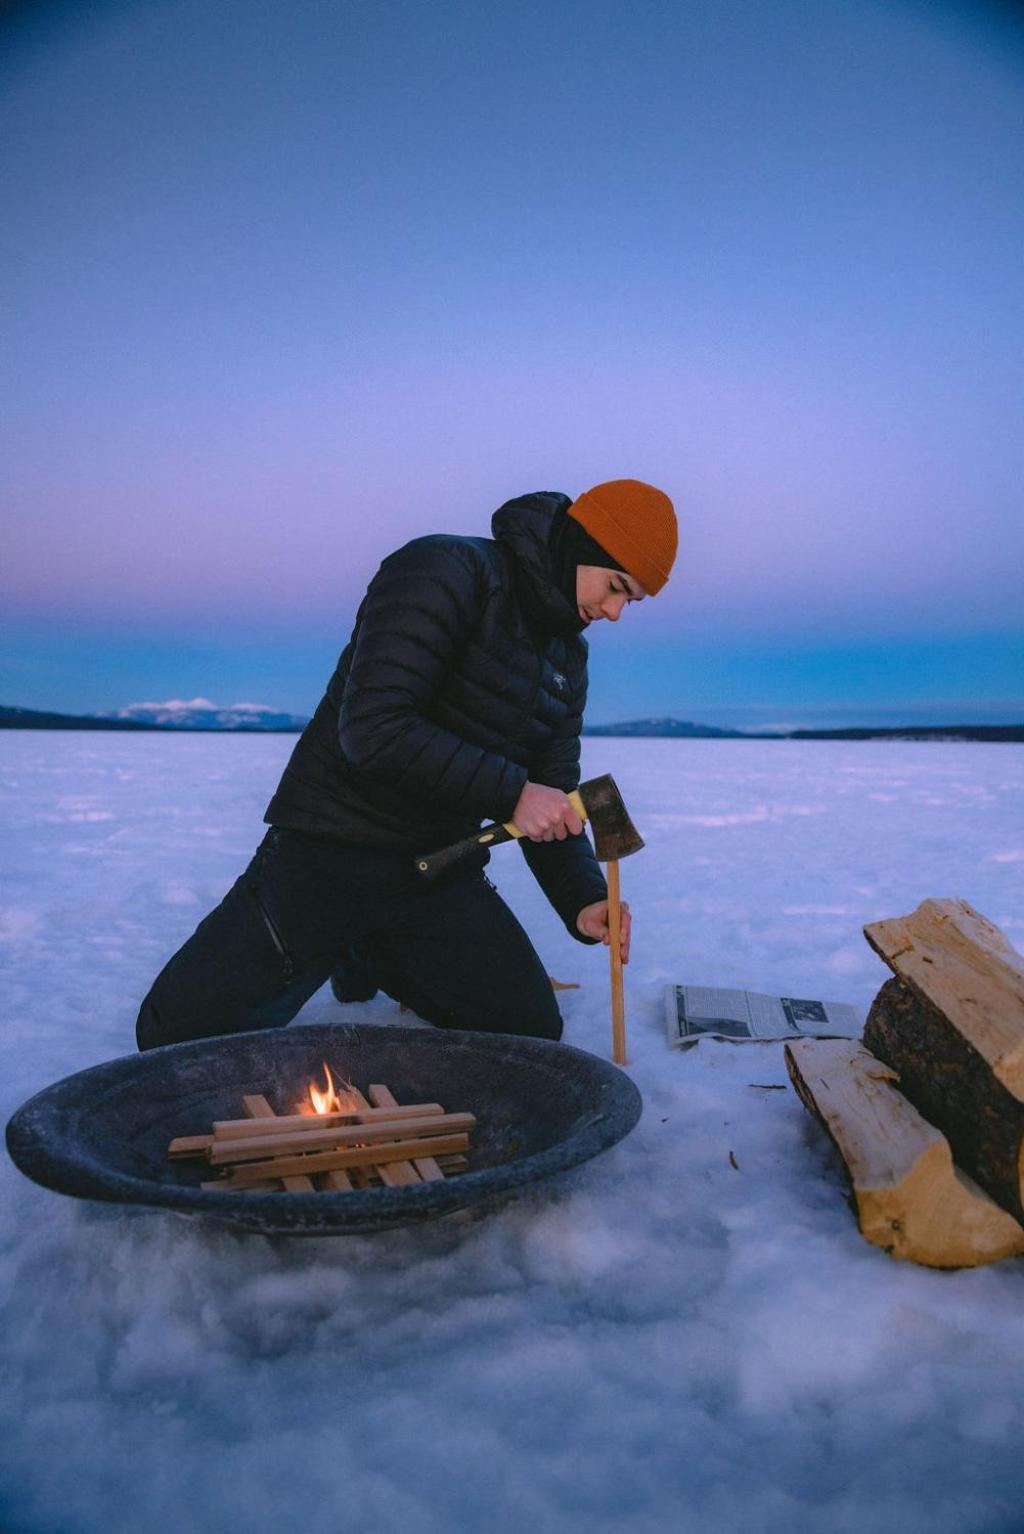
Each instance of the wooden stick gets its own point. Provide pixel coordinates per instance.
(328, 1161)
(396, 1174)
(292, 1123)
(340, 1181)
(191, 1145)
(393, 1175)
(345, 1134)
(257, 1107)
(383, 1098)
(615, 947)
(336, 1181)
(373, 1176)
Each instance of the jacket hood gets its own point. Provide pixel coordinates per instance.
(523, 526)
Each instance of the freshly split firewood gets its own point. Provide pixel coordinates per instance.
(952, 1024)
(908, 1196)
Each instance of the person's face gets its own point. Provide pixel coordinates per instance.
(602, 593)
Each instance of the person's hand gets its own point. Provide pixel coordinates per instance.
(545, 814)
(593, 922)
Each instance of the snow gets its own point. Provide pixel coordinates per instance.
(662, 1342)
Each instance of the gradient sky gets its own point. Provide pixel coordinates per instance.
(286, 284)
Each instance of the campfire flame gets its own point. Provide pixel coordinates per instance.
(327, 1098)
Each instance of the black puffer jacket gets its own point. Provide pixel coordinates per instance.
(464, 677)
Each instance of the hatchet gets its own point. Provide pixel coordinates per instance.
(615, 836)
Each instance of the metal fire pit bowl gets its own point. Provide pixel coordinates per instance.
(540, 1107)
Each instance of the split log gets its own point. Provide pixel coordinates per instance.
(908, 1197)
(952, 1024)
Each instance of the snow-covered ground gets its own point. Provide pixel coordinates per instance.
(663, 1342)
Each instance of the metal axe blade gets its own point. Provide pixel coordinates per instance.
(615, 835)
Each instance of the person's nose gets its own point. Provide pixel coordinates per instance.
(612, 609)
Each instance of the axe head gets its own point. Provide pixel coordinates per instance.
(615, 835)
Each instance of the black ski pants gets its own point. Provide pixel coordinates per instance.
(451, 950)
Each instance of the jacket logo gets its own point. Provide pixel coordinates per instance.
(558, 679)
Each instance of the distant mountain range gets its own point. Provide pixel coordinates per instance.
(257, 718)
(1004, 732)
(249, 718)
(681, 729)
(669, 729)
(36, 719)
(201, 714)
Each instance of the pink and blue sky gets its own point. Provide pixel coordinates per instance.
(284, 285)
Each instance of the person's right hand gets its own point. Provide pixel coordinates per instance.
(545, 814)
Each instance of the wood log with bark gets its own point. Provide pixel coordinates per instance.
(907, 1195)
(951, 1023)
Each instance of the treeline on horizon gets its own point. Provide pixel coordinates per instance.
(648, 729)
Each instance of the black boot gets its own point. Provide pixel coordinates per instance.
(353, 979)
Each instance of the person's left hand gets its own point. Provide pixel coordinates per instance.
(593, 922)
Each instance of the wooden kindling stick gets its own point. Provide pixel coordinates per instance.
(445, 1164)
(257, 1107)
(227, 1129)
(332, 1160)
(295, 1123)
(384, 1101)
(342, 1135)
(396, 1174)
(361, 1145)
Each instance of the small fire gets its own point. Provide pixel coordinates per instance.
(327, 1098)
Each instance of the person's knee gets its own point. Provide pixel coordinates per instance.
(149, 1033)
(536, 1015)
(165, 1023)
(551, 1026)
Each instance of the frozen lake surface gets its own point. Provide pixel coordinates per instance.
(662, 1342)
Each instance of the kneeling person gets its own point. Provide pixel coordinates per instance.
(458, 699)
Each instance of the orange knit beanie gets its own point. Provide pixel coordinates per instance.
(635, 523)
